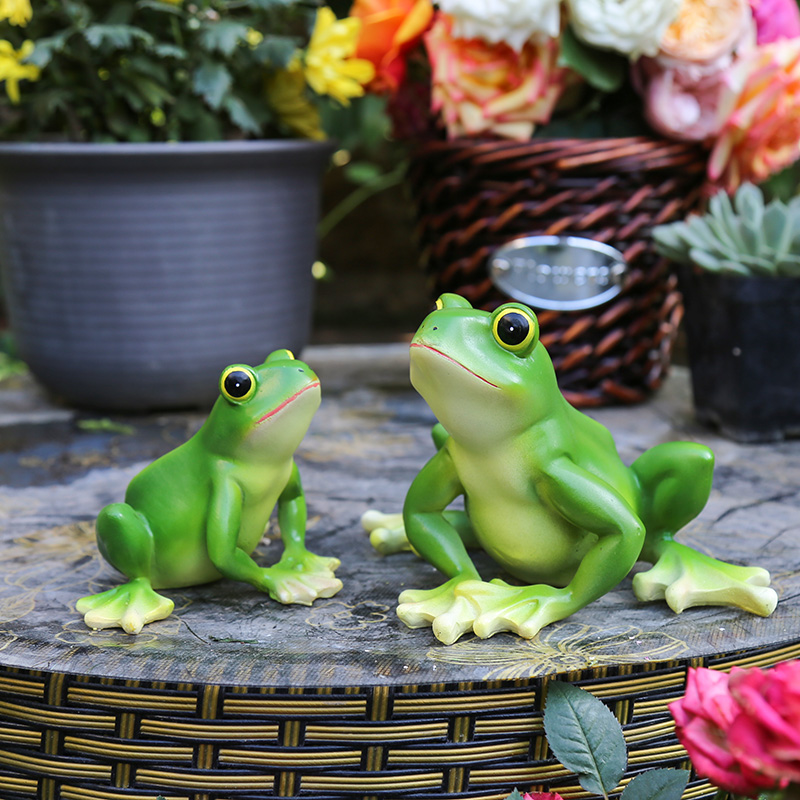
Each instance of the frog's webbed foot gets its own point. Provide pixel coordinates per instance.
(302, 578)
(461, 605)
(446, 609)
(523, 610)
(386, 532)
(130, 607)
(685, 578)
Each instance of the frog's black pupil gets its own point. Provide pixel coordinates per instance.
(238, 383)
(512, 328)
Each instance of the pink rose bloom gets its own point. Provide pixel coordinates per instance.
(542, 796)
(703, 717)
(685, 85)
(682, 99)
(761, 109)
(481, 88)
(765, 736)
(776, 19)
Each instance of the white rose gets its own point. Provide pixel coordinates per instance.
(631, 27)
(509, 21)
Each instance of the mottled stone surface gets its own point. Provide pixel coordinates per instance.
(366, 444)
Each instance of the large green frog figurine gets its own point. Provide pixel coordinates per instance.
(546, 494)
(195, 514)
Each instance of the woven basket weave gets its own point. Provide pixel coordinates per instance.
(474, 196)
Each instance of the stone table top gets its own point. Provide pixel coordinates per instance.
(58, 468)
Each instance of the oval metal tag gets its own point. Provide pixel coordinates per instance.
(562, 273)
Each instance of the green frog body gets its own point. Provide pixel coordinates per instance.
(546, 493)
(197, 513)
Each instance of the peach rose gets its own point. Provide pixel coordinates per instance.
(706, 30)
(761, 111)
(491, 89)
(390, 28)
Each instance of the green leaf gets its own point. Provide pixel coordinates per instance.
(704, 259)
(223, 36)
(362, 172)
(276, 50)
(777, 227)
(212, 81)
(657, 784)
(585, 737)
(749, 202)
(240, 115)
(169, 51)
(515, 795)
(669, 241)
(47, 47)
(154, 5)
(117, 37)
(600, 68)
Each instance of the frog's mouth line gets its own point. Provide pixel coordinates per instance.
(457, 363)
(287, 401)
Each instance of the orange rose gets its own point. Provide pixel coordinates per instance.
(491, 89)
(390, 28)
(761, 134)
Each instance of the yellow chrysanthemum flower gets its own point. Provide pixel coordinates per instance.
(17, 12)
(329, 64)
(286, 94)
(12, 71)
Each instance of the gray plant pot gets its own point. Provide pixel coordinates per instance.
(133, 274)
(744, 351)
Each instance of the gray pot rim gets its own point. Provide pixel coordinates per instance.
(170, 149)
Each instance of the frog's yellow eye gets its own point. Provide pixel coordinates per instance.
(237, 383)
(516, 330)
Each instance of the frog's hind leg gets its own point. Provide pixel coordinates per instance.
(127, 544)
(675, 482)
(387, 534)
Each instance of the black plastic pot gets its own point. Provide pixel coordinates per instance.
(743, 338)
(134, 273)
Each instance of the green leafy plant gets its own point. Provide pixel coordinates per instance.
(173, 70)
(588, 740)
(745, 236)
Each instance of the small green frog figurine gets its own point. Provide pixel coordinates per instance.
(546, 494)
(195, 514)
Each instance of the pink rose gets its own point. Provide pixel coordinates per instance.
(776, 19)
(765, 736)
(742, 731)
(686, 85)
(682, 100)
(542, 796)
(702, 719)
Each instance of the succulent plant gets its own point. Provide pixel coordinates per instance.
(742, 237)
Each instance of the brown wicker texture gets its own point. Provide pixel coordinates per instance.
(473, 196)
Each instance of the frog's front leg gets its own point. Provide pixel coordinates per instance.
(299, 576)
(441, 538)
(591, 506)
(126, 542)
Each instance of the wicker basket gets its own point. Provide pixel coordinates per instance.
(474, 196)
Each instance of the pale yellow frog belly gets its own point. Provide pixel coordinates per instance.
(528, 540)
